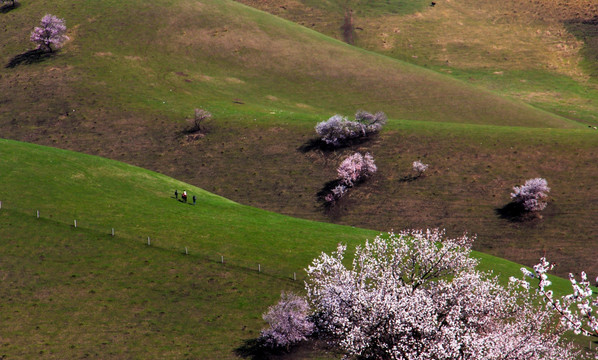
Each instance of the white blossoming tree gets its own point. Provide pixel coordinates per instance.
(532, 195)
(418, 295)
(340, 131)
(288, 320)
(578, 310)
(419, 168)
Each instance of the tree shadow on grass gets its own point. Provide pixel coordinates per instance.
(9, 7)
(410, 178)
(515, 212)
(319, 144)
(29, 57)
(254, 349)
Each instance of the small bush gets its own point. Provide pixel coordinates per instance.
(289, 322)
(199, 118)
(532, 195)
(339, 131)
(419, 168)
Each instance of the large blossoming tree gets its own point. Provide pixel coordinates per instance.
(418, 295)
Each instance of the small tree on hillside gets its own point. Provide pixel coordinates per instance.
(532, 195)
(419, 168)
(339, 131)
(50, 33)
(356, 168)
(199, 118)
(353, 169)
(288, 320)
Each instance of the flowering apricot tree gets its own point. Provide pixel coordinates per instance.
(352, 170)
(419, 167)
(289, 322)
(418, 295)
(50, 33)
(339, 131)
(532, 195)
(578, 310)
(355, 168)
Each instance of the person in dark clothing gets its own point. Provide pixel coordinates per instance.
(194, 199)
(176, 194)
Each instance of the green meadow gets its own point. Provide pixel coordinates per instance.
(489, 94)
(71, 292)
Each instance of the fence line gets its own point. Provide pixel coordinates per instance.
(241, 264)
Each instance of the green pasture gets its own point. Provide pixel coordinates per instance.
(79, 292)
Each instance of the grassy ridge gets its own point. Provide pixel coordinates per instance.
(194, 54)
(541, 53)
(82, 293)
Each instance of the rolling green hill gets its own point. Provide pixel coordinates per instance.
(79, 292)
(133, 71)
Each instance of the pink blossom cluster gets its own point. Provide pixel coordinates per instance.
(532, 195)
(50, 33)
(338, 130)
(419, 167)
(356, 168)
(418, 295)
(352, 170)
(288, 320)
(578, 310)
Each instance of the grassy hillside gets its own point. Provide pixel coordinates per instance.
(123, 85)
(214, 52)
(542, 53)
(79, 292)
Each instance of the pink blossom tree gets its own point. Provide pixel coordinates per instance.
(352, 170)
(578, 311)
(532, 195)
(355, 168)
(288, 320)
(50, 33)
(418, 295)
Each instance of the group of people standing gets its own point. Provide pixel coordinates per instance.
(184, 196)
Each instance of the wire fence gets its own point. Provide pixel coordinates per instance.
(230, 261)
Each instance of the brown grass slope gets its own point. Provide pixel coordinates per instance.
(517, 48)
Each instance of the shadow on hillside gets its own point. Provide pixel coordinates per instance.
(29, 57)
(515, 212)
(410, 178)
(253, 349)
(9, 7)
(327, 188)
(318, 144)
